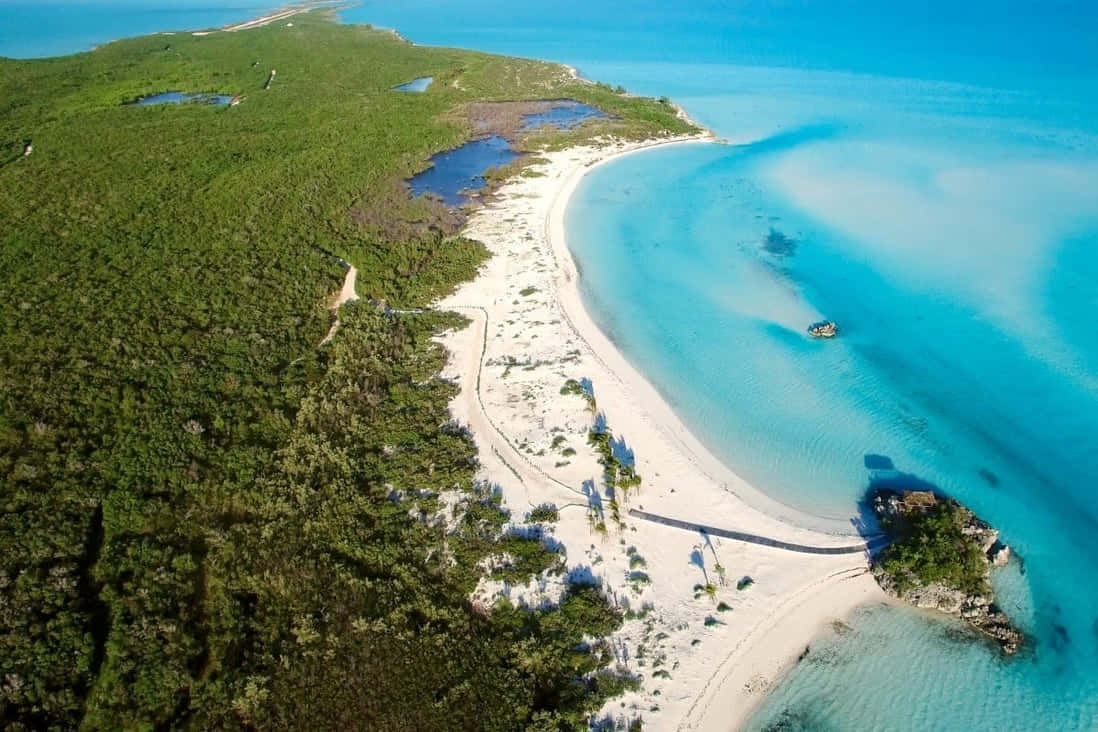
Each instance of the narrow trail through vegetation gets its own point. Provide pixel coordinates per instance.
(346, 294)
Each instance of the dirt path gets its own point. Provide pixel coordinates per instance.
(470, 362)
(346, 294)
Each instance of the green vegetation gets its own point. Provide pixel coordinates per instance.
(574, 388)
(931, 546)
(207, 520)
(545, 513)
(708, 588)
(617, 474)
(638, 581)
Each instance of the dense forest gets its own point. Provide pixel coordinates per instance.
(208, 520)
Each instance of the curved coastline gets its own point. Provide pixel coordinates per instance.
(664, 416)
(531, 332)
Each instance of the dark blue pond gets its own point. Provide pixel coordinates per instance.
(564, 115)
(415, 85)
(457, 172)
(221, 100)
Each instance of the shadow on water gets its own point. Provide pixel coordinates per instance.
(883, 475)
(790, 139)
(777, 143)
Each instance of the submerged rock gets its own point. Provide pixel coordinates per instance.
(940, 558)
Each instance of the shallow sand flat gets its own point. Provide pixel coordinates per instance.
(529, 334)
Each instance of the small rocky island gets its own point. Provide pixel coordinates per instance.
(941, 557)
(823, 329)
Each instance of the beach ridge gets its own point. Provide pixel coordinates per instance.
(531, 334)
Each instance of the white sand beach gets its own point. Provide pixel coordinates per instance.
(706, 661)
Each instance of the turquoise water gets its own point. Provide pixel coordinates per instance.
(36, 28)
(927, 176)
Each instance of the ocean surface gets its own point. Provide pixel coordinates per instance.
(926, 175)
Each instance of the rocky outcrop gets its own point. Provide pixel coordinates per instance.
(940, 558)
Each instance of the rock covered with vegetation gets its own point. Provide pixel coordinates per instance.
(940, 558)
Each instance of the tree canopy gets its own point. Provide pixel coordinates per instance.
(206, 519)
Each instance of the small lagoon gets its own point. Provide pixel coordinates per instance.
(565, 114)
(456, 172)
(415, 85)
(175, 97)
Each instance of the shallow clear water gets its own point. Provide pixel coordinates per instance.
(925, 174)
(416, 85)
(953, 249)
(903, 671)
(455, 173)
(220, 100)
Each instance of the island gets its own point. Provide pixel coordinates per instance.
(940, 558)
(214, 515)
(285, 441)
(823, 329)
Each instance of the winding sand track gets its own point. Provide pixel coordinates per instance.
(346, 294)
(482, 425)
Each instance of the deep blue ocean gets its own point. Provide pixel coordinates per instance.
(925, 174)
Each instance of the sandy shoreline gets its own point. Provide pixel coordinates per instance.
(662, 414)
(706, 662)
(282, 14)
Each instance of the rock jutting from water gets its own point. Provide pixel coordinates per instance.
(823, 329)
(940, 558)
